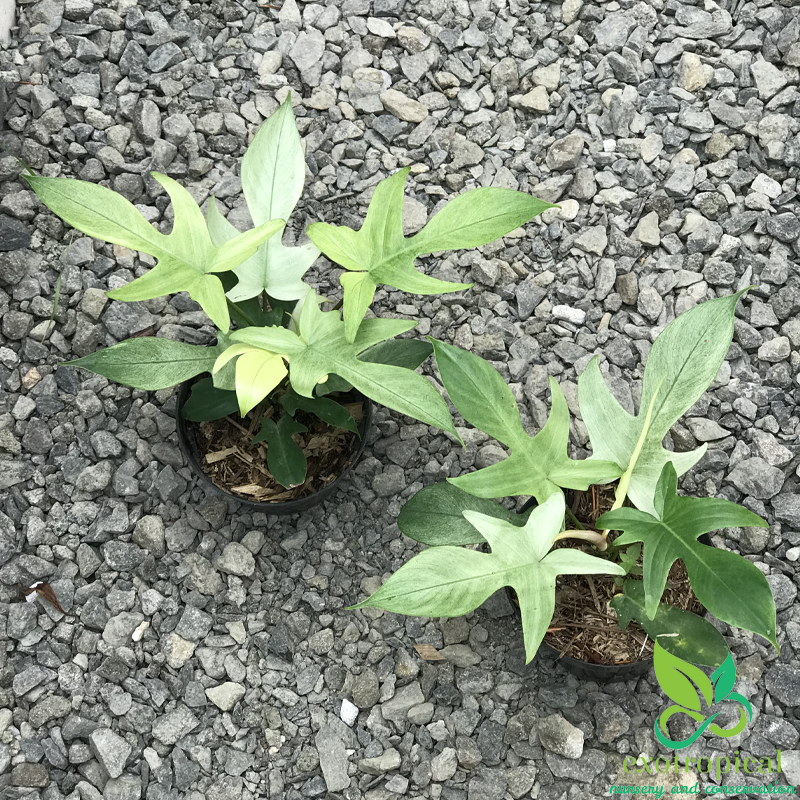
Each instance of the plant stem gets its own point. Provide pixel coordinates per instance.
(238, 310)
(625, 480)
(575, 521)
(597, 539)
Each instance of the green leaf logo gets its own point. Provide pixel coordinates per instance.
(690, 689)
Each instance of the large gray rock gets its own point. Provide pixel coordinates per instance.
(756, 478)
(405, 698)
(174, 725)
(560, 737)
(332, 758)
(111, 751)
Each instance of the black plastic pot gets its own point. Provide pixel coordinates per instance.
(587, 669)
(190, 447)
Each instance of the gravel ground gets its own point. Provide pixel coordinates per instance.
(669, 133)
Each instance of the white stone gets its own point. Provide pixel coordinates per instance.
(178, 650)
(380, 27)
(651, 148)
(348, 713)
(593, 240)
(535, 100)
(573, 315)
(766, 185)
(444, 766)
(226, 695)
(769, 79)
(570, 10)
(549, 76)
(289, 13)
(790, 761)
(691, 75)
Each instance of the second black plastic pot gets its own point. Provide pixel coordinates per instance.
(190, 447)
(587, 669)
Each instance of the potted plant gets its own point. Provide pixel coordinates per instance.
(300, 378)
(634, 520)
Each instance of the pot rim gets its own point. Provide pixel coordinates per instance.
(188, 446)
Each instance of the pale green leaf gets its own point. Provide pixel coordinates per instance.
(149, 363)
(359, 289)
(684, 360)
(273, 338)
(273, 174)
(478, 217)
(379, 248)
(225, 377)
(450, 581)
(274, 269)
(538, 465)
(274, 168)
(97, 212)
(729, 586)
(186, 257)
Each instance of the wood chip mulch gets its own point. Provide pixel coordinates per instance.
(235, 464)
(585, 625)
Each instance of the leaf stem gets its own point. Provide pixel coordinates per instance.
(575, 521)
(597, 539)
(246, 317)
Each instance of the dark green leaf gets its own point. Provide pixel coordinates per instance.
(729, 586)
(697, 641)
(206, 402)
(285, 459)
(333, 384)
(323, 407)
(408, 353)
(434, 516)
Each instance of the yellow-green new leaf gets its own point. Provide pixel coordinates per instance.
(319, 348)
(257, 374)
(379, 248)
(450, 581)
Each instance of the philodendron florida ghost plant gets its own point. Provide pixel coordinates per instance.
(284, 347)
(527, 552)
